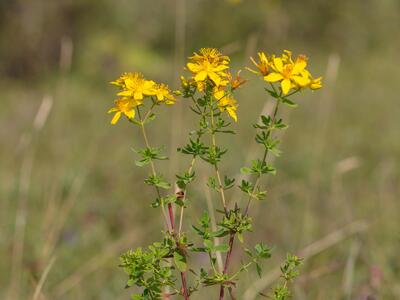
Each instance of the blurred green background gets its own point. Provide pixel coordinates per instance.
(72, 200)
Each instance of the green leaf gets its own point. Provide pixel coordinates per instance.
(185, 179)
(205, 220)
(163, 185)
(240, 237)
(262, 251)
(134, 122)
(222, 248)
(288, 102)
(259, 270)
(245, 170)
(228, 182)
(219, 233)
(150, 118)
(158, 181)
(149, 154)
(199, 232)
(246, 187)
(180, 261)
(194, 148)
(248, 252)
(208, 244)
(212, 183)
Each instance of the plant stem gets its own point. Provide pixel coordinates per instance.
(222, 193)
(184, 286)
(227, 261)
(170, 209)
(171, 216)
(184, 290)
(153, 169)
(184, 198)
(232, 235)
(214, 144)
(275, 113)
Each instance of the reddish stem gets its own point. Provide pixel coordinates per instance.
(184, 287)
(183, 274)
(171, 217)
(227, 261)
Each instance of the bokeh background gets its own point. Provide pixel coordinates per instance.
(72, 200)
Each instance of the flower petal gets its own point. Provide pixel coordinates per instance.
(316, 83)
(301, 80)
(138, 95)
(111, 110)
(273, 77)
(125, 93)
(195, 68)
(286, 85)
(201, 76)
(130, 113)
(116, 118)
(278, 64)
(215, 78)
(299, 65)
(220, 68)
(232, 112)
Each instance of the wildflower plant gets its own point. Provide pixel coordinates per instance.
(167, 268)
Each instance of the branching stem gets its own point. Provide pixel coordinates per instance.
(257, 182)
(153, 169)
(214, 145)
(184, 198)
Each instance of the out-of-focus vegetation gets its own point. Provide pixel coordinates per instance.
(69, 190)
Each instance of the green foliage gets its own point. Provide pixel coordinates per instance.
(289, 270)
(281, 292)
(149, 154)
(185, 179)
(214, 155)
(158, 181)
(149, 269)
(195, 148)
(180, 261)
(258, 167)
(235, 222)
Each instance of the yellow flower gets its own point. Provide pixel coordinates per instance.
(229, 104)
(163, 93)
(226, 103)
(290, 74)
(210, 54)
(135, 85)
(316, 83)
(124, 106)
(209, 64)
(263, 65)
(120, 82)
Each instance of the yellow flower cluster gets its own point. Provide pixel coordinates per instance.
(291, 74)
(133, 89)
(209, 66)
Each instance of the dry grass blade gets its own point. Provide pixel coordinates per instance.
(57, 227)
(43, 278)
(348, 276)
(309, 251)
(23, 195)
